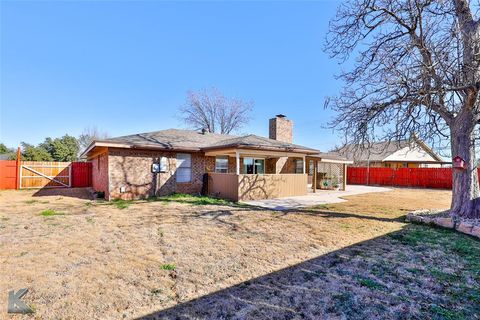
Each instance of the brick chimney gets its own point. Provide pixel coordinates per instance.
(280, 128)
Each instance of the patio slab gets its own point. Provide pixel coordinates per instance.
(314, 199)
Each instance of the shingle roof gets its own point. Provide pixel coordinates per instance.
(252, 140)
(194, 140)
(172, 139)
(329, 156)
(374, 152)
(381, 150)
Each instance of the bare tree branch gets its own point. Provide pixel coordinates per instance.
(210, 110)
(416, 72)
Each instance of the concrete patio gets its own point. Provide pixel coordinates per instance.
(314, 199)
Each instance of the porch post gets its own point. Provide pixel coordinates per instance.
(304, 165)
(314, 180)
(344, 177)
(237, 157)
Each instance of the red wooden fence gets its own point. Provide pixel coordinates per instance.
(81, 173)
(8, 174)
(438, 178)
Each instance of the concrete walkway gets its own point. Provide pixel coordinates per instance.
(314, 199)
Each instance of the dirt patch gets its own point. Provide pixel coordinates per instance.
(97, 260)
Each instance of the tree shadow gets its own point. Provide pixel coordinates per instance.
(80, 193)
(343, 215)
(367, 280)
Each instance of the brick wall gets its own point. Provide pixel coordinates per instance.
(232, 168)
(281, 165)
(198, 169)
(132, 169)
(281, 129)
(100, 173)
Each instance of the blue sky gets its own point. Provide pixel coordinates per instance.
(125, 66)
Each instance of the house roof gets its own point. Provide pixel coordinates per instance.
(390, 151)
(330, 157)
(254, 141)
(172, 139)
(190, 140)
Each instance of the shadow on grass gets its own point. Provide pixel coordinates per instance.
(416, 273)
(80, 193)
(177, 198)
(335, 214)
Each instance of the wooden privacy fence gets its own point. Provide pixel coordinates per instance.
(437, 178)
(39, 174)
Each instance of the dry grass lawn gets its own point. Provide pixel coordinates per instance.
(196, 258)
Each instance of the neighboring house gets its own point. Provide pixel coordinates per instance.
(412, 153)
(237, 167)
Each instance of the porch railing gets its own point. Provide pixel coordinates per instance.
(256, 186)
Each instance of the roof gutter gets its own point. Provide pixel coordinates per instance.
(257, 147)
(110, 144)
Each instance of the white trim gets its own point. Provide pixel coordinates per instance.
(237, 158)
(223, 157)
(47, 166)
(253, 158)
(43, 175)
(336, 161)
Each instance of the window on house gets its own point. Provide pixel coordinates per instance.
(184, 167)
(298, 166)
(253, 166)
(259, 166)
(221, 164)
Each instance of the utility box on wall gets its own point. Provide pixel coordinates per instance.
(161, 166)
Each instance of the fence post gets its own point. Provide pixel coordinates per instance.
(17, 173)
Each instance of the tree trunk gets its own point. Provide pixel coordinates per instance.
(465, 188)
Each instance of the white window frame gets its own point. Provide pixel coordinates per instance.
(297, 161)
(222, 169)
(184, 165)
(254, 168)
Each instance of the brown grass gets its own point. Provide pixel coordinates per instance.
(98, 261)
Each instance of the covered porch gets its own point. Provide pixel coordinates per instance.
(251, 174)
(327, 171)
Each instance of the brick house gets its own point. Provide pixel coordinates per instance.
(184, 161)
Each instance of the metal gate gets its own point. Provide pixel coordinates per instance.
(36, 174)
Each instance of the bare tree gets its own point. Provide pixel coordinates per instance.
(416, 70)
(212, 111)
(90, 134)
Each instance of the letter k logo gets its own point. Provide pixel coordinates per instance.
(15, 305)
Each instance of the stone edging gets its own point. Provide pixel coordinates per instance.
(445, 222)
